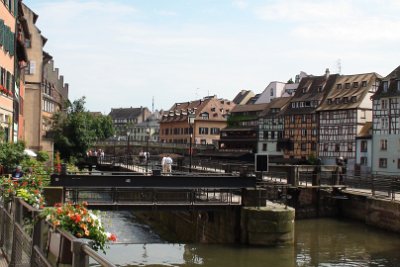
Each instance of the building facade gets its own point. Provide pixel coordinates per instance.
(386, 125)
(125, 119)
(8, 19)
(271, 128)
(210, 115)
(301, 119)
(342, 115)
(241, 134)
(45, 91)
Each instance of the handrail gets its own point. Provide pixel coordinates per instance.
(96, 256)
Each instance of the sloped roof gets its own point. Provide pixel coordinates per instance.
(249, 108)
(210, 105)
(340, 97)
(311, 88)
(392, 78)
(126, 113)
(365, 130)
(275, 103)
(242, 96)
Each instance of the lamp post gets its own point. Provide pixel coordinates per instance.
(191, 118)
(127, 144)
(115, 140)
(147, 148)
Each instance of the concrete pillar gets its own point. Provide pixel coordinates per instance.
(272, 225)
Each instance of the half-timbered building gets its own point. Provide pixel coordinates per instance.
(301, 119)
(386, 125)
(342, 115)
(271, 127)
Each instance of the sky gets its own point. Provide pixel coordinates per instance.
(125, 53)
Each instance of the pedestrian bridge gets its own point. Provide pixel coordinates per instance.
(143, 192)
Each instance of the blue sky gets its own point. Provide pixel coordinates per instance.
(122, 53)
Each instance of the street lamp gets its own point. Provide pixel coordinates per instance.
(127, 144)
(191, 118)
(147, 148)
(115, 139)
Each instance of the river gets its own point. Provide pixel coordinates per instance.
(322, 242)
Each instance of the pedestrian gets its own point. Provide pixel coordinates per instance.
(17, 173)
(168, 163)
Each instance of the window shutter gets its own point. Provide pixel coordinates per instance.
(1, 32)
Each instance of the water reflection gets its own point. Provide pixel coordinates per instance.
(321, 242)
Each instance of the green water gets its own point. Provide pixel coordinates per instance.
(322, 242)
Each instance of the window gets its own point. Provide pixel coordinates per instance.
(337, 147)
(214, 131)
(364, 83)
(303, 146)
(364, 161)
(304, 90)
(355, 84)
(326, 147)
(383, 144)
(265, 134)
(363, 114)
(264, 147)
(353, 99)
(313, 146)
(292, 119)
(398, 85)
(382, 162)
(204, 116)
(339, 86)
(272, 92)
(385, 86)
(364, 146)
(319, 89)
(329, 101)
(347, 85)
(383, 104)
(203, 130)
(349, 147)
(314, 132)
(337, 100)
(304, 118)
(272, 135)
(303, 132)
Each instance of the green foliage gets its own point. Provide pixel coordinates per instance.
(76, 130)
(234, 120)
(42, 156)
(11, 155)
(290, 81)
(38, 169)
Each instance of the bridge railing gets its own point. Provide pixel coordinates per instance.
(27, 240)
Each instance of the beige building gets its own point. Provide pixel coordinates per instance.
(45, 91)
(210, 117)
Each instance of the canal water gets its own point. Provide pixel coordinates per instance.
(322, 242)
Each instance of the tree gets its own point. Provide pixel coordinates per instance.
(11, 155)
(290, 81)
(75, 130)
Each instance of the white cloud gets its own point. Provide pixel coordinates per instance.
(166, 13)
(241, 4)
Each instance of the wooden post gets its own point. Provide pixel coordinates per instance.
(79, 257)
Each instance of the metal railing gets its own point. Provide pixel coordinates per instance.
(27, 240)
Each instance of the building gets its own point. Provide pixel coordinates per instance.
(148, 129)
(8, 19)
(241, 134)
(280, 89)
(210, 115)
(124, 119)
(364, 150)
(45, 91)
(271, 128)
(301, 120)
(386, 125)
(243, 97)
(344, 112)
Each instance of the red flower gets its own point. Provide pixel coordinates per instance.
(112, 238)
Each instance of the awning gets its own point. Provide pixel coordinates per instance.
(29, 152)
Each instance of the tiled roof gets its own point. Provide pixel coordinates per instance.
(392, 79)
(365, 130)
(125, 113)
(242, 95)
(349, 91)
(276, 103)
(249, 107)
(311, 88)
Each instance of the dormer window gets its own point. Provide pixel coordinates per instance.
(337, 100)
(319, 89)
(385, 86)
(339, 86)
(347, 85)
(355, 84)
(304, 90)
(364, 83)
(204, 116)
(345, 100)
(212, 109)
(353, 99)
(329, 101)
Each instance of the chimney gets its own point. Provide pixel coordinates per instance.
(297, 79)
(327, 73)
